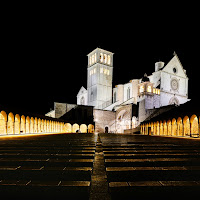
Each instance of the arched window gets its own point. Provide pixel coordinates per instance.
(115, 97)
(128, 93)
(82, 101)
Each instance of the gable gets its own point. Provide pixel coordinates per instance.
(175, 67)
(82, 91)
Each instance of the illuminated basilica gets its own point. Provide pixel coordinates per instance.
(124, 107)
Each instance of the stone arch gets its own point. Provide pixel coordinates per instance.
(32, 125)
(186, 126)
(23, 124)
(174, 101)
(83, 128)
(164, 127)
(42, 125)
(35, 125)
(27, 124)
(68, 128)
(75, 128)
(48, 126)
(152, 127)
(179, 127)
(39, 125)
(161, 128)
(45, 125)
(3, 122)
(174, 127)
(158, 128)
(17, 124)
(169, 127)
(194, 125)
(11, 121)
(155, 129)
(90, 128)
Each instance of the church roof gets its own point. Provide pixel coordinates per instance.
(187, 109)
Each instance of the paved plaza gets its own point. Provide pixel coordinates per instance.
(103, 166)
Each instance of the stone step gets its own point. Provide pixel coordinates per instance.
(47, 162)
(149, 151)
(67, 173)
(43, 189)
(153, 189)
(152, 173)
(154, 155)
(46, 156)
(152, 162)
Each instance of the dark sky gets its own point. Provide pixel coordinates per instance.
(43, 50)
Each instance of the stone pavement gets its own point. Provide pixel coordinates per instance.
(140, 167)
(104, 166)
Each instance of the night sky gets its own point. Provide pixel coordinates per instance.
(44, 52)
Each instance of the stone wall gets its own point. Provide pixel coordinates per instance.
(102, 119)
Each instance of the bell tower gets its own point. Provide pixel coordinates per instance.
(99, 78)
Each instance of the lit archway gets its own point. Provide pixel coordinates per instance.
(11, 123)
(179, 127)
(169, 127)
(68, 128)
(45, 125)
(35, 125)
(152, 128)
(174, 127)
(17, 124)
(3, 122)
(23, 124)
(161, 128)
(48, 126)
(32, 125)
(27, 124)
(164, 127)
(90, 128)
(186, 126)
(39, 125)
(157, 128)
(75, 128)
(42, 126)
(83, 128)
(194, 126)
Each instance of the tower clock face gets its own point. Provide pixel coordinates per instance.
(174, 84)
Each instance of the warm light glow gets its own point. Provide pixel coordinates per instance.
(141, 89)
(149, 88)
(186, 127)
(101, 57)
(105, 58)
(108, 59)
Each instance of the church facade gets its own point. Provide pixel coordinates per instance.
(125, 106)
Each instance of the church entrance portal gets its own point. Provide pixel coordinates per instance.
(106, 129)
